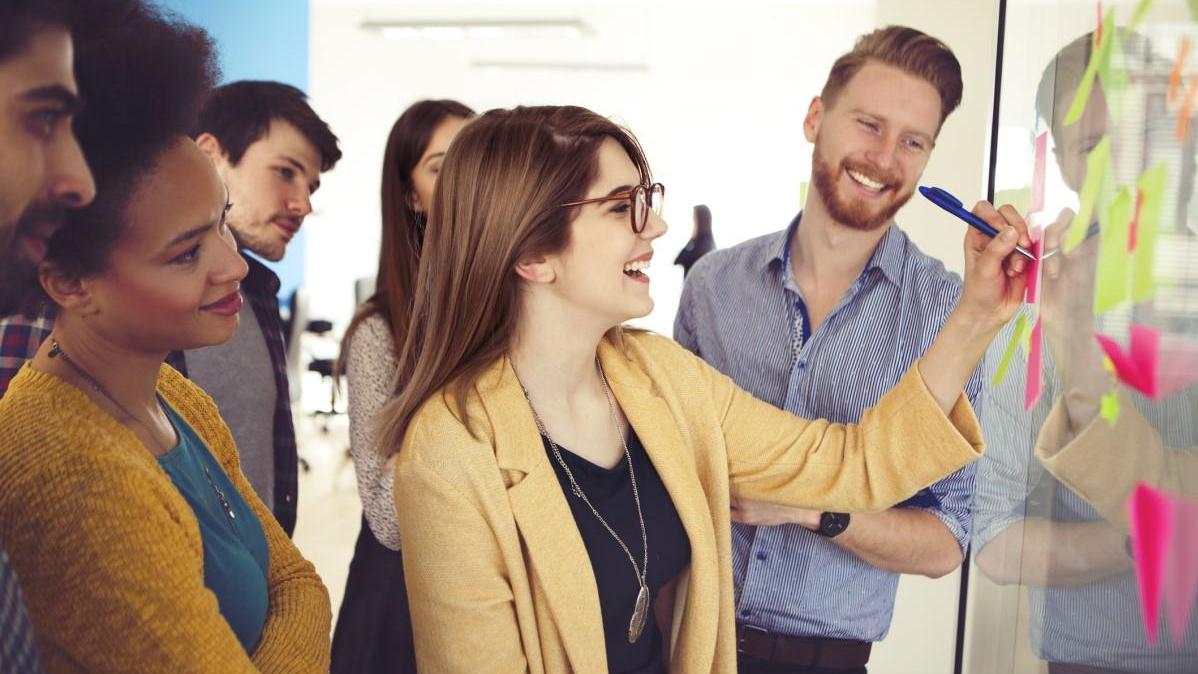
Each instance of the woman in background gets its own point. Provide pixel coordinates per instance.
(374, 630)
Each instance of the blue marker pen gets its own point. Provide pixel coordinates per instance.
(953, 205)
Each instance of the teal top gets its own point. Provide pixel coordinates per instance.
(235, 552)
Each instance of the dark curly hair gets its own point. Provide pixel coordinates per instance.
(145, 75)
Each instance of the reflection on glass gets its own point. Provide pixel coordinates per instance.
(1057, 589)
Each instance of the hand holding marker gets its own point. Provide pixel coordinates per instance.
(953, 205)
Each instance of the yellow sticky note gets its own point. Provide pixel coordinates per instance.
(1096, 165)
(1151, 184)
(1110, 407)
(1114, 260)
(1099, 62)
(803, 194)
(1016, 338)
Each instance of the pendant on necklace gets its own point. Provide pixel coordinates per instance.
(639, 613)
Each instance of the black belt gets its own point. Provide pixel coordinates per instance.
(801, 651)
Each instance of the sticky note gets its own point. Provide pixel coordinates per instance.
(1114, 262)
(1032, 291)
(803, 194)
(1150, 523)
(1100, 63)
(1031, 393)
(1193, 9)
(1164, 543)
(1181, 572)
(1178, 70)
(1138, 366)
(1096, 168)
(1110, 408)
(1151, 184)
(1037, 199)
(1187, 109)
(1112, 71)
(1139, 13)
(1009, 353)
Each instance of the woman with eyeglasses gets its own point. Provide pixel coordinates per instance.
(563, 482)
(374, 629)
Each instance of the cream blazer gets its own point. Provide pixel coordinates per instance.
(498, 577)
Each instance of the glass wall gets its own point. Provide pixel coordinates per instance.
(1085, 530)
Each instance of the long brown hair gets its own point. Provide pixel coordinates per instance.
(403, 228)
(495, 203)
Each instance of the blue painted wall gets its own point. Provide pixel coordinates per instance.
(259, 40)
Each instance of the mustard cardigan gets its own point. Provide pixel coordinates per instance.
(109, 553)
(498, 577)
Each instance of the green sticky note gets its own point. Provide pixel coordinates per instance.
(1096, 165)
(1078, 107)
(1114, 260)
(1112, 70)
(1016, 337)
(1140, 12)
(1152, 186)
(1193, 9)
(1110, 408)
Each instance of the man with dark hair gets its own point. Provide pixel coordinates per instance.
(42, 172)
(821, 319)
(270, 148)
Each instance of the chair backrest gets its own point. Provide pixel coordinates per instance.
(363, 289)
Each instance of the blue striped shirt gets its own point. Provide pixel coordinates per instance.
(18, 654)
(742, 312)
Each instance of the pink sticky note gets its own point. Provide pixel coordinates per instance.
(1180, 588)
(1032, 392)
(1150, 521)
(1031, 293)
(1037, 200)
(1138, 365)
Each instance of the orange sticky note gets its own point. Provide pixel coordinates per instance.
(1179, 66)
(1187, 109)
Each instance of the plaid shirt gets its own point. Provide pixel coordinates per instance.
(20, 338)
(18, 653)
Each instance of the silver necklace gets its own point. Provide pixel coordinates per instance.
(640, 610)
(56, 351)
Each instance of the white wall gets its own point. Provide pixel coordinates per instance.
(719, 109)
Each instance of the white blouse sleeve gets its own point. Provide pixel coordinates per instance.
(370, 373)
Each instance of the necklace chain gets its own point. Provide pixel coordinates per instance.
(641, 570)
(57, 351)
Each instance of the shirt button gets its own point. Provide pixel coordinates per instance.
(287, 498)
(746, 613)
(802, 364)
(761, 556)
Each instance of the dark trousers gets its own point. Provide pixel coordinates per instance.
(748, 665)
(374, 628)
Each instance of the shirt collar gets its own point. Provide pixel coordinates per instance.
(887, 256)
(260, 277)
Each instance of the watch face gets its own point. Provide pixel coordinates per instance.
(833, 524)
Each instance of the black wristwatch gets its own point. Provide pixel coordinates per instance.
(832, 525)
